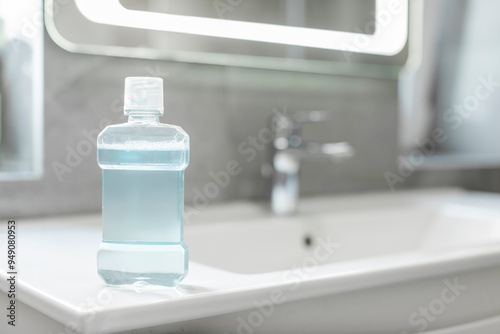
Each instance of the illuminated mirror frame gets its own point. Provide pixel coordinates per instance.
(389, 38)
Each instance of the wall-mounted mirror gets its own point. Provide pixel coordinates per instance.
(322, 36)
(21, 89)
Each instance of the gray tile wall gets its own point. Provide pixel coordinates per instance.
(220, 107)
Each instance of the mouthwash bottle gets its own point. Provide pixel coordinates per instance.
(143, 164)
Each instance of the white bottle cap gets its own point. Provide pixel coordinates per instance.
(143, 94)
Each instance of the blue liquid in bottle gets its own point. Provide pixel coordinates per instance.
(143, 164)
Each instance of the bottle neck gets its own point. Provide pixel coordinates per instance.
(144, 118)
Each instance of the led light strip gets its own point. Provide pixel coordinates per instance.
(391, 22)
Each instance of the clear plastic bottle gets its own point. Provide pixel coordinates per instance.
(143, 164)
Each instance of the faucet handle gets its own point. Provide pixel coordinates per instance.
(287, 125)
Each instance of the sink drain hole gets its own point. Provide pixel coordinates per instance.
(308, 241)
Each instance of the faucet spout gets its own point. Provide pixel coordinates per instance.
(331, 151)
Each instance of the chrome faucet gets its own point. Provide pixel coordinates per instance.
(290, 150)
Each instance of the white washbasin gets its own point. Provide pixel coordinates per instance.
(351, 264)
(358, 227)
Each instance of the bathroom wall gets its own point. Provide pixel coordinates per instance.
(222, 108)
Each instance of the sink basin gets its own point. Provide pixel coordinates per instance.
(359, 227)
(354, 264)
